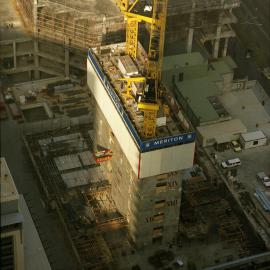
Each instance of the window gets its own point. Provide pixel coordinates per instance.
(255, 142)
(172, 185)
(160, 204)
(7, 253)
(171, 203)
(161, 187)
(162, 177)
(158, 231)
(157, 240)
(149, 219)
(159, 217)
(181, 76)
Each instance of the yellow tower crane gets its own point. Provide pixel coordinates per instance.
(134, 14)
(129, 82)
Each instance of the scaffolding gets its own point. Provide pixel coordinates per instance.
(77, 26)
(83, 203)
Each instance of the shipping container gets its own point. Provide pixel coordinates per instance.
(253, 139)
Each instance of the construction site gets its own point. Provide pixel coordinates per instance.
(92, 90)
(56, 34)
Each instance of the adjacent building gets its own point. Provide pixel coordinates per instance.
(12, 254)
(21, 247)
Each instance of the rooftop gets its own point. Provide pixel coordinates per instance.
(8, 189)
(85, 7)
(247, 106)
(233, 126)
(116, 66)
(255, 135)
(35, 256)
(197, 83)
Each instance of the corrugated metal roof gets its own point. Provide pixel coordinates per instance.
(253, 136)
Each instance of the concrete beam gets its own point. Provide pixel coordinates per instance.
(14, 55)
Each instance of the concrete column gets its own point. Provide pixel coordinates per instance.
(14, 55)
(190, 40)
(66, 62)
(215, 52)
(225, 49)
(36, 60)
(191, 29)
(35, 6)
(67, 58)
(216, 44)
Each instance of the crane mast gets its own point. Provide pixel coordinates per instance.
(154, 15)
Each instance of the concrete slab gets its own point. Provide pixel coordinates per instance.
(246, 106)
(67, 162)
(76, 179)
(87, 158)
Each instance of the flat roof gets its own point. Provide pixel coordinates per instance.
(233, 126)
(95, 7)
(8, 189)
(109, 58)
(197, 91)
(200, 81)
(34, 254)
(253, 136)
(182, 60)
(247, 106)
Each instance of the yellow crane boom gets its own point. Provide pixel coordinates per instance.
(157, 22)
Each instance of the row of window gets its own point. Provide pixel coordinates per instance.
(162, 203)
(164, 186)
(7, 253)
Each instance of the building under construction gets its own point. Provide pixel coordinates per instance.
(145, 174)
(62, 31)
(115, 178)
(206, 22)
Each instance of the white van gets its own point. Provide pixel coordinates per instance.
(230, 163)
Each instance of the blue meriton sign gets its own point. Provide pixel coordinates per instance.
(143, 145)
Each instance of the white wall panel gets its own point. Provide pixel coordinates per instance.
(117, 125)
(167, 160)
(152, 163)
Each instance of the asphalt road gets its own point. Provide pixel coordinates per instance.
(253, 33)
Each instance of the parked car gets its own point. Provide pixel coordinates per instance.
(230, 163)
(236, 146)
(261, 176)
(178, 263)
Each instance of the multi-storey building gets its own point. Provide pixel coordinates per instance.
(145, 174)
(12, 255)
